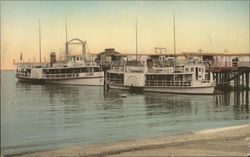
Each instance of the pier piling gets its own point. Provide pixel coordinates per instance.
(224, 75)
(247, 80)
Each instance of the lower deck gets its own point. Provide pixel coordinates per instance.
(158, 80)
(92, 81)
(205, 90)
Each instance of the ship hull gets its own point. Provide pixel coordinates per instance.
(85, 81)
(206, 90)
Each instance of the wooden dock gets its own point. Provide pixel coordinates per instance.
(236, 76)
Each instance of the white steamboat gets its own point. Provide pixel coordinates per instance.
(74, 69)
(185, 77)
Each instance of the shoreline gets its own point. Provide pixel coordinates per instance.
(233, 140)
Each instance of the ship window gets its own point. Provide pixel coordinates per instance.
(63, 70)
(83, 70)
(192, 69)
(68, 70)
(199, 69)
(96, 69)
(186, 69)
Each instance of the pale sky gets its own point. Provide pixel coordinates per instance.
(210, 25)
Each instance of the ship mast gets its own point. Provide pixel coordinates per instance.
(174, 43)
(66, 37)
(66, 29)
(40, 50)
(136, 40)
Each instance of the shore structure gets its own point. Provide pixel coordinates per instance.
(74, 69)
(228, 141)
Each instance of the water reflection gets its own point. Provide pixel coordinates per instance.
(23, 86)
(64, 104)
(238, 99)
(68, 94)
(112, 99)
(162, 104)
(112, 105)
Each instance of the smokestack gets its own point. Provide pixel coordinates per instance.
(52, 58)
(84, 48)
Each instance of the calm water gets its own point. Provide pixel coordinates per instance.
(42, 117)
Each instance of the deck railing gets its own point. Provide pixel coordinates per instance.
(23, 75)
(115, 81)
(51, 76)
(59, 76)
(167, 83)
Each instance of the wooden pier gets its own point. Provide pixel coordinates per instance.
(236, 76)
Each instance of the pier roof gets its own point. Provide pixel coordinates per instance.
(110, 52)
(214, 54)
(114, 53)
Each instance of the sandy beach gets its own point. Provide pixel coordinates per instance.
(228, 141)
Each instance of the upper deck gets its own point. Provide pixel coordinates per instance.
(167, 66)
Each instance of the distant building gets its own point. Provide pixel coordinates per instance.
(108, 56)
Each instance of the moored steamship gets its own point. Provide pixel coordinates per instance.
(74, 69)
(186, 77)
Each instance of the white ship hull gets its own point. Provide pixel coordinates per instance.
(85, 81)
(179, 90)
(182, 90)
(80, 81)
